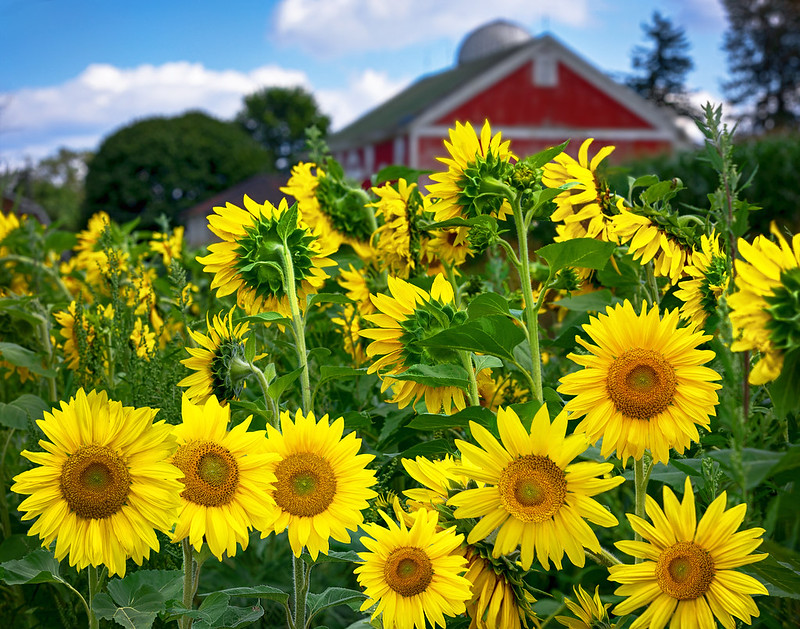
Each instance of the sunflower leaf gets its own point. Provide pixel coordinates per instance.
(488, 304)
(495, 335)
(539, 159)
(783, 390)
(327, 298)
(432, 422)
(268, 317)
(586, 253)
(23, 357)
(446, 375)
(39, 566)
(332, 597)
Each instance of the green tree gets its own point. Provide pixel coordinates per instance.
(277, 117)
(166, 165)
(663, 65)
(763, 46)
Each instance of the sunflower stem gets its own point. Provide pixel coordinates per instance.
(300, 592)
(188, 582)
(653, 285)
(640, 483)
(531, 310)
(466, 359)
(6, 519)
(298, 325)
(94, 583)
(604, 557)
(268, 401)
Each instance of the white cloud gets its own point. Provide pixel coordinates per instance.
(325, 27)
(79, 112)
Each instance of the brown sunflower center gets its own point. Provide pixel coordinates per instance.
(305, 484)
(210, 473)
(408, 571)
(532, 488)
(95, 482)
(685, 571)
(641, 383)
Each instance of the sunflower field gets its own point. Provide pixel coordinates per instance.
(501, 395)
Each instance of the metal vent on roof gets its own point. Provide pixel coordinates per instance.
(491, 38)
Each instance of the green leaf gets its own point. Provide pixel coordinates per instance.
(133, 610)
(17, 546)
(661, 191)
(268, 317)
(332, 597)
(333, 556)
(436, 375)
(495, 335)
(780, 572)
(287, 223)
(39, 566)
(250, 349)
(644, 181)
(753, 468)
(581, 252)
(431, 449)
(257, 591)
(486, 362)
(487, 304)
(327, 298)
(23, 357)
(783, 390)
(168, 583)
(276, 389)
(620, 272)
(330, 372)
(17, 413)
(596, 301)
(393, 173)
(542, 157)
(432, 422)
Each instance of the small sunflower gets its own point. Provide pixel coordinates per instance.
(95, 488)
(413, 574)
(226, 478)
(448, 246)
(708, 271)
(473, 163)
(143, 340)
(68, 319)
(330, 208)
(349, 324)
(168, 245)
(590, 611)
(409, 315)
(250, 257)
(439, 479)
(212, 361)
(355, 283)
(322, 484)
(764, 309)
(644, 386)
(534, 496)
(687, 573)
(584, 210)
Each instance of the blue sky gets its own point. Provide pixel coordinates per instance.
(73, 71)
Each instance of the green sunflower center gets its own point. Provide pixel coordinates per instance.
(532, 488)
(210, 473)
(95, 482)
(408, 571)
(227, 384)
(714, 282)
(784, 310)
(473, 196)
(305, 484)
(344, 208)
(260, 256)
(685, 571)
(641, 383)
(426, 321)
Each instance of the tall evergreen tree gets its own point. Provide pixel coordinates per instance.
(763, 46)
(662, 66)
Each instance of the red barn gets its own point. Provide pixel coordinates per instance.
(535, 90)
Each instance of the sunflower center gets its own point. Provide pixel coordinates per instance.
(685, 571)
(210, 473)
(225, 384)
(641, 383)
(95, 482)
(408, 571)
(784, 310)
(532, 488)
(305, 484)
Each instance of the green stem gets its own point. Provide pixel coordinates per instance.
(298, 325)
(262, 382)
(640, 479)
(301, 584)
(89, 613)
(44, 329)
(94, 586)
(604, 557)
(531, 310)
(451, 277)
(547, 620)
(6, 520)
(188, 582)
(512, 256)
(466, 360)
(653, 285)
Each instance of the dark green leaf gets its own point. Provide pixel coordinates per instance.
(257, 591)
(27, 406)
(596, 301)
(752, 469)
(486, 362)
(268, 317)
(783, 390)
(287, 223)
(276, 389)
(333, 556)
(644, 181)
(17, 546)
(330, 372)
(436, 375)
(488, 304)
(495, 335)
(39, 566)
(542, 157)
(780, 572)
(332, 597)
(327, 298)
(23, 357)
(581, 252)
(433, 448)
(393, 173)
(431, 422)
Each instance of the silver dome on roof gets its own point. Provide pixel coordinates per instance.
(491, 38)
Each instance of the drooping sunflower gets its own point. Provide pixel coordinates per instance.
(764, 309)
(227, 479)
(213, 359)
(584, 210)
(472, 164)
(250, 257)
(95, 489)
(590, 611)
(409, 315)
(322, 484)
(708, 271)
(332, 209)
(413, 574)
(535, 497)
(687, 570)
(644, 386)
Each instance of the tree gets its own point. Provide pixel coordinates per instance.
(277, 117)
(763, 46)
(663, 66)
(165, 165)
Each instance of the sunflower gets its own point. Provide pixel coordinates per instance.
(687, 573)
(764, 310)
(413, 574)
(168, 245)
(644, 386)
(332, 209)
(472, 164)
(349, 324)
(68, 319)
(103, 483)
(439, 479)
(399, 241)
(355, 283)
(250, 258)
(590, 611)
(582, 211)
(322, 484)
(212, 361)
(226, 478)
(409, 315)
(448, 246)
(708, 271)
(535, 496)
